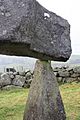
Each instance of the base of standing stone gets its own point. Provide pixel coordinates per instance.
(44, 100)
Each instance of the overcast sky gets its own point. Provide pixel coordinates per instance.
(70, 10)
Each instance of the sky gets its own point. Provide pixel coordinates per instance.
(70, 10)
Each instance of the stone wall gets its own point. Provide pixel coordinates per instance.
(16, 79)
(24, 78)
(67, 74)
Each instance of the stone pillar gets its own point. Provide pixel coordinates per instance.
(44, 100)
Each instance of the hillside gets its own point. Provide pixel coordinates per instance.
(75, 59)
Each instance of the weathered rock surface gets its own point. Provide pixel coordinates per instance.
(18, 80)
(11, 75)
(44, 101)
(5, 80)
(77, 69)
(69, 80)
(28, 29)
(27, 83)
(74, 75)
(8, 87)
(28, 75)
(22, 73)
(63, 73)
(67, 74)
(24, 78)
(59, 79)
(78, 80)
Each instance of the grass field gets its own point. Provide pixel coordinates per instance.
(12, 102)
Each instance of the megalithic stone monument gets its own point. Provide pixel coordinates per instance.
(28, 29)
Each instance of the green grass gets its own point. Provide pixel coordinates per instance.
(12, 102)
(71, 98)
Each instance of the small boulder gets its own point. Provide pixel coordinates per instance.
(5, 80)
(56, 73)
(28, 75)
(74, 75)
(59, 79)
(78, 80)
(63, 74)
(27, 70)
(69, 80)
(8, 87)
(56, 69)
(22, 73)
(19, 81)
(77, 69)
(27, 83)
(11, 75)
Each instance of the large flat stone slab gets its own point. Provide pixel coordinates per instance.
(28, 29)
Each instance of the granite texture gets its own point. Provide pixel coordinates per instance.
(28, 29)
(44, 100)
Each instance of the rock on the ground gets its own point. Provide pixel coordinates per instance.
(8, 87)
(44, 101)
(69, 80)
(74, 75)
(77, 69)
(27, 83)
(28, 75)
(59, 79)
(11, 75)
(63, 74)
(56, 73)
(19, 81)
(22, 73)
(28, 29)
(78, 79)
(5, 79)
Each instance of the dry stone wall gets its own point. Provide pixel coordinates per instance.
(67, 74)
(16, 79)
(24, 78)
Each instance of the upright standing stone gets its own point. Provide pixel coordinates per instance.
(44, 101)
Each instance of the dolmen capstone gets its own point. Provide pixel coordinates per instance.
(28, 29)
